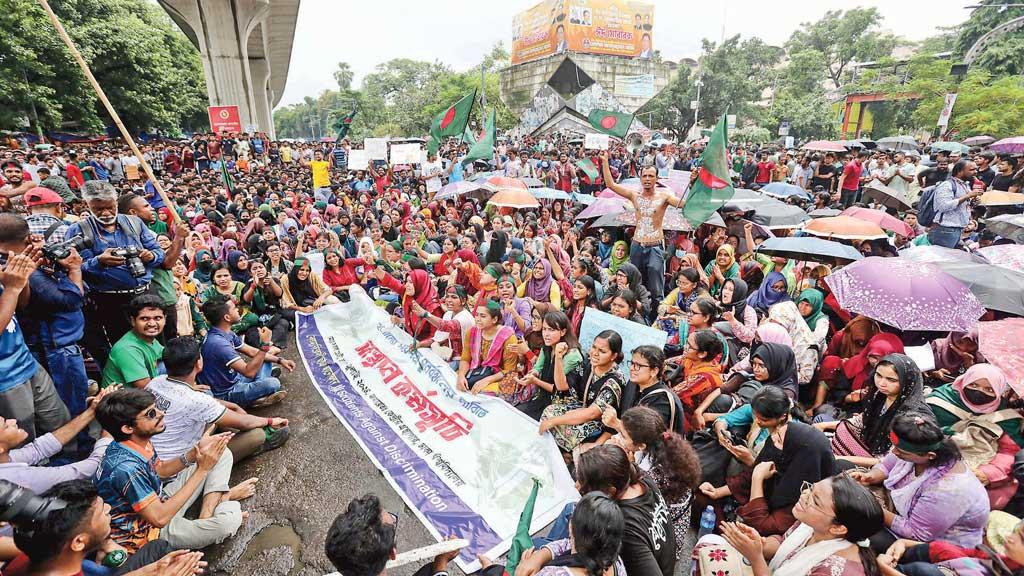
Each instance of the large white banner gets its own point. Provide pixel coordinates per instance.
(464, 464)
(376, 148)
(405, 154)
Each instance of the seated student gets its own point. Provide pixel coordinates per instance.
(73, 534)
(625, 305)
(131, 479)
(488, 354)
(645, 388)
(135, 358)
(189, 412)
(1002, 553)
(361, 540)
(248, 383)
(549, 376)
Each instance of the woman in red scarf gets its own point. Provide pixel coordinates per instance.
(418, 288)
(702, 364)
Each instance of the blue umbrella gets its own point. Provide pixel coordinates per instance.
(585, 199)
(808, 248)
(549, 194)
(783, 190)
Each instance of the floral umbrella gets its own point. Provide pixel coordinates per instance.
(999, 342)
(1005, 255)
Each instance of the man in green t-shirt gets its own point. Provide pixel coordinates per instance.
(135, 358)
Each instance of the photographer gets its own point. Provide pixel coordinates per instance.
(119, 256)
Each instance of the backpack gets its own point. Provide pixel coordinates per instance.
(926, 207)
(131, 225)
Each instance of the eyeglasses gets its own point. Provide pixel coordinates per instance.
(637, 365)
(694, 312)
(150, 414)
(807, 488)
(394, 519)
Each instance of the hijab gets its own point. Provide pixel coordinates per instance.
(858, 369)
(238, 274)
(615, 263)
(781, 365)
(804, 344)
(752, 273)
(772, 333)
(948, 358)
(766, 297)
(203, 269)
(728, 249)
(977, 372)
(860, 329)
(423, 294)
(877, 420)
(540, 290)
(564, 261)
(632, 274)
(739, 298)
(816, 299)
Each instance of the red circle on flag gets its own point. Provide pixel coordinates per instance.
(609, 122)
(448, 117)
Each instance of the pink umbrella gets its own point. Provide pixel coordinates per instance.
(885, 221)
(604, 206)
(999, 343)
(823, 146)
(1005, 255)
(1013, 145)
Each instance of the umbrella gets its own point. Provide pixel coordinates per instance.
(499, 183)
(808, 248)
(999, 198)
(823, 146)
(905, 143)
(996, 288)
(768, 211)
(1013, 145)
(512, 198)
(549, 194)
(825, 213)
(999, 342)
(906, 295)
(481, 176)
(932, 253)
(1008, 226)
(533, 183)
(585, 199)
(456, 189)
(783, 190)
(886, 196)
(602, 207)
(951, 147)
(674, 220)
(884, 220)
(979, 140)
(844, 227)
(1006, 255)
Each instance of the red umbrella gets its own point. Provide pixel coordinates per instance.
(499, 183)
(823, 146)
(999, 342)
(886, 221)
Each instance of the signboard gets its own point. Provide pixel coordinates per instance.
(595, 141)
(633, 334)
(638, 86)
(376, 148)
(358, 160)
(464, 464)
(224, 119)
(405, 154)
(947, 109)
(790, 141)
(730, 121)
(784, 128)
(614, 27)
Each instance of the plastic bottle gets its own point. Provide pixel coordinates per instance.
(707, 522)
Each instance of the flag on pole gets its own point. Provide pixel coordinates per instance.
(483, 149)
(225, 176)
(588, 167)
(611, 123)
(344, 123)
(522, 541)
(468, 137)
(432, 145)
(453, 121)
(713, 186)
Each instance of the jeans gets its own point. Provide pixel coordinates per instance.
(559, 528)
(650, 260)
(915, 562)
(848, 197)
(947, 236)
(249, 390)
(67, 369)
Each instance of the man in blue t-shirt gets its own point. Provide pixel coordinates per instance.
(235, 371)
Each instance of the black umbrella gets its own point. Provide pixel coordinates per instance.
(997, 288)
(825, 213)
(768, 211)
(809, 248)
(886, 196)
(1008, 226)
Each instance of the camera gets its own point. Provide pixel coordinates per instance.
(131, 260)
(21, 506)
(60, 250)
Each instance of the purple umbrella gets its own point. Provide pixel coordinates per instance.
(1013, 145)
(604, 206)
(456, 189)
(906, 295)
(934, 253)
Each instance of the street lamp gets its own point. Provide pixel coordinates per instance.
(696, 107)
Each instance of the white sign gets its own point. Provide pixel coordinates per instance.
(376, 148)
(790, 141)
(633, 334)
(638, 86)
(730, 121)
(947, 109)
(595, 141)
(405, 154)
(358, 160)
(784, 128)
(464, 464)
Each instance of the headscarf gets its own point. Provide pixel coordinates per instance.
(203, 269)
(752, 273)
(423, 294)
(857, 369)
(946, 357)
(816, 299)
(781, 365)
(227, 247)
(766, 297)
(283, 234)
(564, 261)
(238, 274)
(540, 290)
(877, 419)
(739, 298)
(772, 333)
(977, 372)
(804, 344)
(615, 263)
(632, 275)
(732, 256)
(860, 329)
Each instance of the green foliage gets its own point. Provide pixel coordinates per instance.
(983, 106)
(670, 109)
(751, 134)
(1005, 55)
(734, 74)
(148, 69)
(842, 38)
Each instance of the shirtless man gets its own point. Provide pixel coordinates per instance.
(647, 251)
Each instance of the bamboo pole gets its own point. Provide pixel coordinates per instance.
(110, 109)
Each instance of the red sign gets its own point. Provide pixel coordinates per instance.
(224, 119)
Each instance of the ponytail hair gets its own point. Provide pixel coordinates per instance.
(606, 468)
(859, 512)
(597, 529)
(676, 458)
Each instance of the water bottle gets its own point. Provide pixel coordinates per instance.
(707, 522)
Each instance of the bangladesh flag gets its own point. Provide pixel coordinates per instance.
(225, 176)
(522, 541)
(453, 121)
(611, 123)
(713, 186)
(432, 145)
(344, 123)
(483, 149)
(468, 137)
(588, 167)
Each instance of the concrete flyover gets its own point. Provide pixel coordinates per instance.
(246, 48)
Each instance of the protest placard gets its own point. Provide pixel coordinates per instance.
(358, 160)
(632, 333)
(405, 154)
(376, 148)
(595, 141)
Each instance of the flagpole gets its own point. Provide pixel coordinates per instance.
(110, 109)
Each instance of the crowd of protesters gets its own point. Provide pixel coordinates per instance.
(141, 338)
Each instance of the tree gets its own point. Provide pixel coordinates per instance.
(800, 99)
(983, 106)
(842, 38)
(734, 74)
(343, 76)
(670, 109)
(1004, 55)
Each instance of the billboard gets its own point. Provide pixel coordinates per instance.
(614, 27)
(224, 119)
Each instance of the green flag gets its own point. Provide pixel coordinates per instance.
(343, 124)
(587, 165)
(225, 176)
(713, 186)
(432, 145)
(483, 149)
(611, 123)
(522, 541)
(454, 119)
(468, 137)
